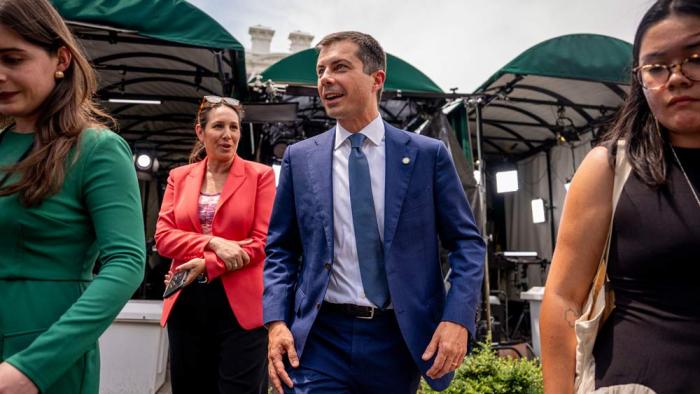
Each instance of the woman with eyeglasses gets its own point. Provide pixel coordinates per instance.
(213, 224)
(68, 197)
(652, 337)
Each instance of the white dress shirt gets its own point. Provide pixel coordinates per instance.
(345, 285)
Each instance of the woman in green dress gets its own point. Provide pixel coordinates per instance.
(68, 196)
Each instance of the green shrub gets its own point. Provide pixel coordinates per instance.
(483, 372)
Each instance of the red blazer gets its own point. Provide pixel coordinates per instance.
(243, 211)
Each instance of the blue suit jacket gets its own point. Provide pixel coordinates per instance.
(424, 199)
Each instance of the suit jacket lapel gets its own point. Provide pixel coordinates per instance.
(320, 170)
(236, 176)
(400, 160)
(191, 189)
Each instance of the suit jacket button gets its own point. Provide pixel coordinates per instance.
(318, 306)
(327, 266)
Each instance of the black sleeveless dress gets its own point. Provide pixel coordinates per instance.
(652, 337)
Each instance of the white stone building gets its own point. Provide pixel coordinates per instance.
(259, 57)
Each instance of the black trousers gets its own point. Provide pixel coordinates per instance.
(209, 351)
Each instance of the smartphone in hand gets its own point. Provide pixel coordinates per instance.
(177, 282)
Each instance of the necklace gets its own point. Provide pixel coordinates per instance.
(690, 185)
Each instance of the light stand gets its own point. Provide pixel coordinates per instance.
(477, 104)
(552, 231)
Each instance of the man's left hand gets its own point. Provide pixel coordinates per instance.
(450, 343)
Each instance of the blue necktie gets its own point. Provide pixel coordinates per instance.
(370, 252)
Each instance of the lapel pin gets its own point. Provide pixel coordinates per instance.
(406, 160)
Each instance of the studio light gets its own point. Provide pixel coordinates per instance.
(519, 254)
(507, 181)
(538, 211)
(134, 101)
(477, 177)
(144, 162)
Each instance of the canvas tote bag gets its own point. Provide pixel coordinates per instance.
(600, 303)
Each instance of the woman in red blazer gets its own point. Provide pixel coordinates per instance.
(213, 223)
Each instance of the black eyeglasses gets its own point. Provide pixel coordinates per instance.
(214, 100)
(654, 76)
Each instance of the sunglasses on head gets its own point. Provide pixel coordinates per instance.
(214, 100)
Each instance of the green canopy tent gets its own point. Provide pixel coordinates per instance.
(156, 59)
(554, 92)
(557, 90)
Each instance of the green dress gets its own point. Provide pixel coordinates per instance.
(52, 310)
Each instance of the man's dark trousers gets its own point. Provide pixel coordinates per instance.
(346, 354)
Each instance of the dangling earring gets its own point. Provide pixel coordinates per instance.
(58, 75)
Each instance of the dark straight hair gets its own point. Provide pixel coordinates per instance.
(645, 140)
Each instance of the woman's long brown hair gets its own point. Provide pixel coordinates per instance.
(66, 112)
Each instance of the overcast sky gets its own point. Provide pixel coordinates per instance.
(457, 43)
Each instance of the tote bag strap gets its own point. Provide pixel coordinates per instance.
(623, 168)
(622, 172)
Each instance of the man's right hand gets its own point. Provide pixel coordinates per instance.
(280, 341)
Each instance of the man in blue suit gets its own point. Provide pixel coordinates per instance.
(354, 297)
